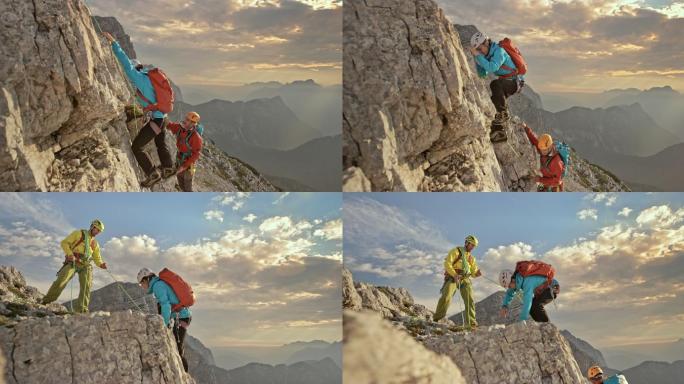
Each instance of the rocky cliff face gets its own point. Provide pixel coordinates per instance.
(62, 120)
(526, 352)
(416, 116)
(62, 95)
(41, 344)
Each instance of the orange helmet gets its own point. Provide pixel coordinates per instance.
(545, 142)
(193, 116)
(594, 371)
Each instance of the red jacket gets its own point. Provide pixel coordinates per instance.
(195, 143)
(551, 166)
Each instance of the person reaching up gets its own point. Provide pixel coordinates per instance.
(154, 93)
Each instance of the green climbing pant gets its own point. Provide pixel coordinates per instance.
(85, 280)
(448, 290)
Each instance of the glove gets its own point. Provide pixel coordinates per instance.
(103, 265)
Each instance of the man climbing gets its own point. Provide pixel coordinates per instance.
(80, 248)
(595, 375)
(504, 60)
(538, 290)
(169, 306)
(552, 165)
(153, 128)
(189, 146)
(459, 267)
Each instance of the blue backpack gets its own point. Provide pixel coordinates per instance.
(563, 151)
(199, 129)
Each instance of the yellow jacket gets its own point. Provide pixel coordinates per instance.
(453, 264)
(72, 244)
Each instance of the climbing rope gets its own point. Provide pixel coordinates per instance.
(71, 283)
(118, 284)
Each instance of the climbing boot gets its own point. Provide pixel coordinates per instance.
(168, 172)
(497, 136)
(152, 179)
(501, 118)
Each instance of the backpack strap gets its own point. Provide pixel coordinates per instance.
(188, 152)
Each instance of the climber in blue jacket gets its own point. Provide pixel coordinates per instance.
(166, 298)
(490, 57)
(153, 129)
(532, 305)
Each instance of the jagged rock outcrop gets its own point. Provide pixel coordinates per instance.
(487, 310)
(41, 344)
(111, 24)
(376, 352)
(62, 95)
(585, 354)
(524, 352)
(388, 301)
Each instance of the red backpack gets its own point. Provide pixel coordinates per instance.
(186, 297)
(536, 268)
(516, 56)
(162, 90)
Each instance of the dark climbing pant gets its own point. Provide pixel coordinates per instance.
(502, 89)
(185, 180)
(144, 136)
(537, 312)
(179, 333)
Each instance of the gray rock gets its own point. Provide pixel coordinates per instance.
(376, 352)
(522, 352)
(43, 344)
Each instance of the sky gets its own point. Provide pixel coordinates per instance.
(233, 42)
(265, 267)
(619, 257)
(586, 45)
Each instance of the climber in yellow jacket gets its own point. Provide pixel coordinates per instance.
(459, 267)
(80, 249)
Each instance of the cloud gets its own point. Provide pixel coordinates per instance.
(281, 198)
(19, 240)
(234, 200)
(332, 230)
(587, 214)
(34, 207)
(608, 198)
(625, 211)
(250, 218)
(214, 215)
(583, 44)
(659, 216)
(248, 40)
(284, 227)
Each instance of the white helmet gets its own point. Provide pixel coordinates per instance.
(143, 274)
(477, 39)
(505, 277)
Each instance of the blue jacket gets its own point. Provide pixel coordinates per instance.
(166, 298)
(493, 61)
(526, 285)
(139, 79)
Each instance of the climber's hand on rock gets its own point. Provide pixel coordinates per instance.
(503, 312)
(109, 37)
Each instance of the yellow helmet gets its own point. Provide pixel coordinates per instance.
(545, 142)
(472, 240)
(594, 371)
(193, 116)
(97, 223)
